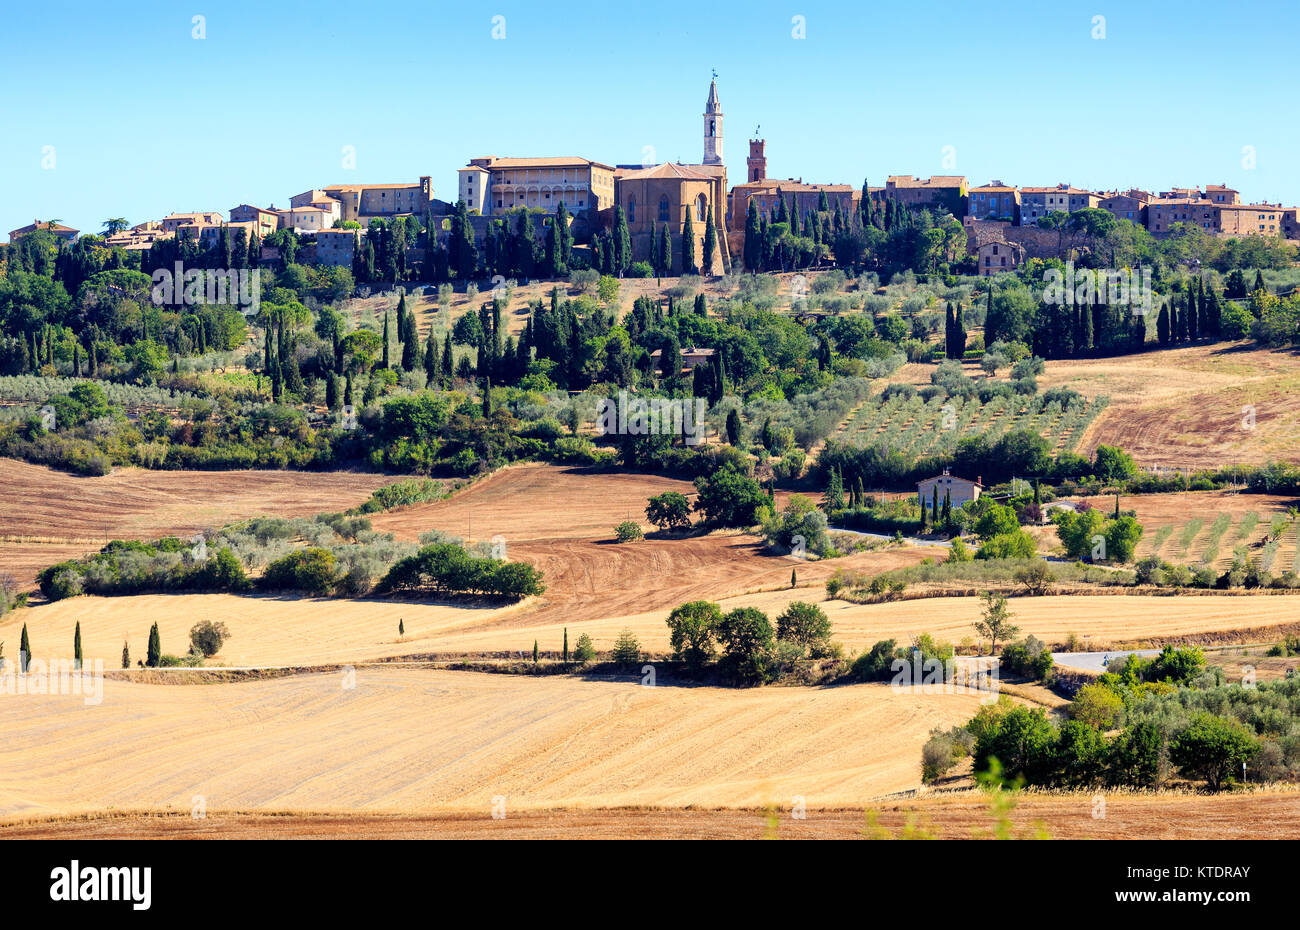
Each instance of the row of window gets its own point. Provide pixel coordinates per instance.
(701, 209)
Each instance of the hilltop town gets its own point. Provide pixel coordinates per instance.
(602, 499)
(655, 207)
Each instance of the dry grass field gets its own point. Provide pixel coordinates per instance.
(422, 741)
(51, 515)
(1181, 527)
(1184, 407)
(277, 631)
(1272, 815)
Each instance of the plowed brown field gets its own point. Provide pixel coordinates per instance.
(50, 515)
(1264, 815)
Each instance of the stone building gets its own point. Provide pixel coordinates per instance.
(662, 195)
(59, 231)
(493, 185)
(1038, 202)
(993, 200)
(945, 191)
(364, 202)
(998, 255)
(336, 246)
(266, 221)
(958, 490)
(1128, 205)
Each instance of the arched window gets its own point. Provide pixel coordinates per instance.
(663, 209)
(713, 127)
(701, 206)
(631, 209)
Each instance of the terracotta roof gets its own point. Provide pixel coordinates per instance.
(37, 224)
(551, 161)
(939, 180)
(667, 170)
(362, 187)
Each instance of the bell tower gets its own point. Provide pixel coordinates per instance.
(757, 161)
(713, 125)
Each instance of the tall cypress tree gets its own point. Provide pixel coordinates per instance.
(448, 359)
(710, 243)
(76, 646)
(431, 359)
(24, 651)
(385, 359)
(154, 653)
(688, 245)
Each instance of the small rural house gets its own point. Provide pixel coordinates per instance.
(959, 490)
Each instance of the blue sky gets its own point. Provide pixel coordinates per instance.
(144, 119)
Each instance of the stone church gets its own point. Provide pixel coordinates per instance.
(655, 195)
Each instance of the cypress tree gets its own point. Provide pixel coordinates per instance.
(710, 243)
(385, 359)
(347, 391)
(753, 238)
(430, 359)
(566, 644)
(24, 651)
(76, 646)
(794, 577)
(154, 654)
(332, 390)
(1162, 325)
(126, 655)
(534, 652)
(688, 245)
(733, 427)
(448, 359)
(401, 627)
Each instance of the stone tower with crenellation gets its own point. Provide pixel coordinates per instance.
(757, 161)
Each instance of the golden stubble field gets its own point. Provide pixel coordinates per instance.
(419, 740)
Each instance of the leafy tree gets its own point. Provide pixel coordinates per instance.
(584, 651)
(628, 531)
(996, 623)
(728, 498)
(1122, 536)
(1111, 464)
(669, 511)
(1213, 748)
(804, 624)
(1022, 743)
(207, 637)
(745, 635)
(692, 629)
(1097, 706)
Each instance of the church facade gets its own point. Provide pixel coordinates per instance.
(656, 195)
